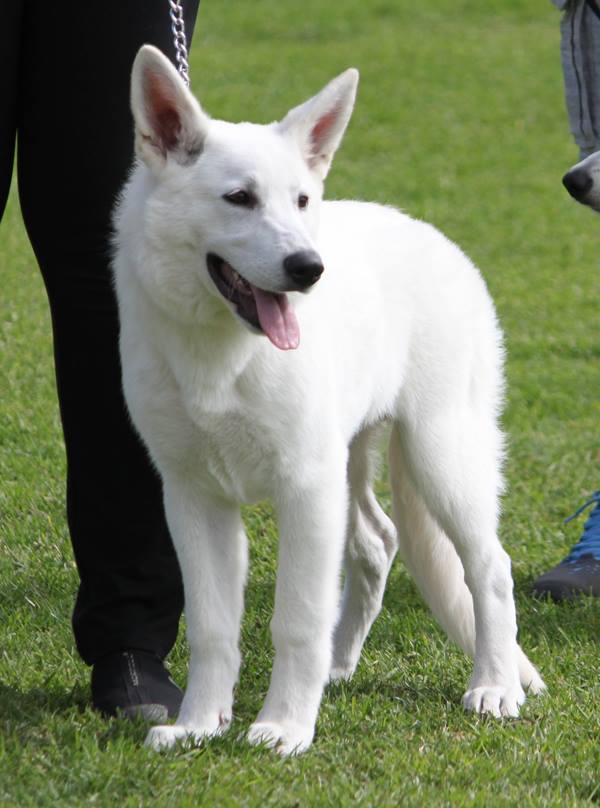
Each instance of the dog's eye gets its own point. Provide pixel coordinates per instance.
(244, 199)
(302, 201)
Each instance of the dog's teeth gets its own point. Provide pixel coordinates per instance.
(234, 279)
(241, 283)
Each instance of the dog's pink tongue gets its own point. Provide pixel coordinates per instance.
(277, 319)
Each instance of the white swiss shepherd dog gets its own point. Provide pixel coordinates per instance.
(266, 336)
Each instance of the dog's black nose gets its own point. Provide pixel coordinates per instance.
(304, 268)
(578, 182)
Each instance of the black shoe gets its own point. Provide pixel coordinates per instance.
(135, 684)
(579, 573)
(569, 579)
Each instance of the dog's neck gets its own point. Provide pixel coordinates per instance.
(206, 359)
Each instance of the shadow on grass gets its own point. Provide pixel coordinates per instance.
(404, 693)
(37, 714)
(571, 621)
(17, 705)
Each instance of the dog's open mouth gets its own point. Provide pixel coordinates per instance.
(268, 312)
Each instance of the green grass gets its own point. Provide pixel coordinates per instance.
(460, 120)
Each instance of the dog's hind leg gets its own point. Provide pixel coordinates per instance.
(437, 570)
(370, 549)
(437, 479)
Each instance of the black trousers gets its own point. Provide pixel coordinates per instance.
(64, 98)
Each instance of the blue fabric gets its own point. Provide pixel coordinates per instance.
(589, 543)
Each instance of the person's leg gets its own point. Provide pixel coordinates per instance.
(580, 57)
(10, 38)
(75, 143)
(579, 572)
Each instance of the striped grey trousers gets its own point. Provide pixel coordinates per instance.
(580, 53)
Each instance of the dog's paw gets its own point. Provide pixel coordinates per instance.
(286, 738)
(531, 681)
(344, 662)
(499, 701)
(165, 737)
(341, 673)
(535, 685)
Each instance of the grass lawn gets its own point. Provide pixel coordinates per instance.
(460, 120)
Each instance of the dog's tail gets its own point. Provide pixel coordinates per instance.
(436, 568)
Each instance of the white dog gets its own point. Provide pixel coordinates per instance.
(266, 335)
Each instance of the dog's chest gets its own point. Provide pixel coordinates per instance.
(236, 452)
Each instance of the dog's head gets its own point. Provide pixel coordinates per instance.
(236, 203)
(583, 181)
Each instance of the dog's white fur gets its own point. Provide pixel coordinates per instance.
(399, 329)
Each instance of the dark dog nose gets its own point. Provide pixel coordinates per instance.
(304, 268)
(578, 182)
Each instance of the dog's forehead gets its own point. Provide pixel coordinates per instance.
(248, 150)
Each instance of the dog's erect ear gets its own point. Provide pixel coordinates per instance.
(319, 124)
(169, 122)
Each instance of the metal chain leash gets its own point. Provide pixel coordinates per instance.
(179, 40)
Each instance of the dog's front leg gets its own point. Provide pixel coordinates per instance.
(212, 550)
(312, 528)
